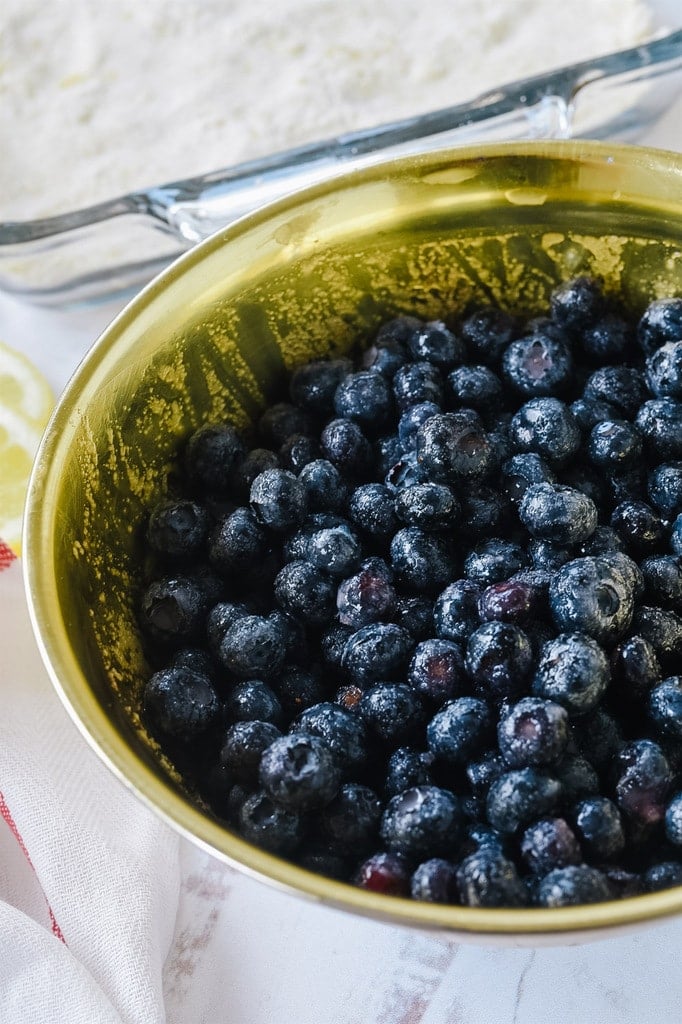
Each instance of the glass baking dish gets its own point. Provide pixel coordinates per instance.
(84, 256)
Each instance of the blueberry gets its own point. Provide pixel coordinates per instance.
(177, 529)
(297, 452)
(572, 886)
(238, 542)
(498, 660)
(663, 629)
(406, 472)
(417, 383)
(253, 700)
(428, 506)
(665, 489)
(603, 541)
(407, 767)
(243, 746)
(599, 738)
(173, 609)
(256, 461)
(195, 658)
(663, 581)
(664, 707)
(334, 549)
(513, 601)
(547, 427)
(493, 561)
(415, 614)
(640, 529)
(399, 329)
(211, 455)
(376, 652)
(455, 612)
(332, 642)
(592, 595)
(588, 412)
(422, 562)
(278, 499)
(306, 592)
(483, 772)
(519, 797)
(676, 535)
(364, 398)
(665, 875)
(635, 667)
(436, 671)
(539, 364)
(559, 514)
(487, 879)
(344, 444)
(180, 705)
(322, 858)
(343, 732)
(220, 618)
(577, 303)
(573, 671)
(372, 510)
(660, 423)
(622, 386)
(351, 819)
(533, 732)
(599, 827)
(577, 777)
(459, 730)
(269, 825)
(614, 444)
(435, 343)
(549, 844)
(412, 419)
(547, 557)
(423, 822)
(608, 338)
(487, 332)
(519, 472)
(643, 783)
(664, 370)
(673, 820)
(312, 386)
(385, 873)
(252, 648)
(367, 597)
(434, 881)
(325, 488)
(484, 511)
(281, 420)
(298, 689)
(661, 322)
(299, 772)
(391, 712)
(386, 356)
(475, 387)
(453, 445)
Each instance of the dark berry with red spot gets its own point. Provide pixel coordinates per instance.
(643, 782)
(436, 671)
(385, 873)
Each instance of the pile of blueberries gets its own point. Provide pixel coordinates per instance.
(420, 631)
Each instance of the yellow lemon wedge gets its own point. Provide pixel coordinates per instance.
(26, 401)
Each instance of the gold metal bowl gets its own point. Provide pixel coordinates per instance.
(212, 335)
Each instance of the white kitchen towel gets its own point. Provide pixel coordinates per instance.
(89, 878)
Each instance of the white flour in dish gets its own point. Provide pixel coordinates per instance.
(99, 97)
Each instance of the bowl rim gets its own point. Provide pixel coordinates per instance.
(88, 714)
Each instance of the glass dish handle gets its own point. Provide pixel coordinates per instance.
(84, 256)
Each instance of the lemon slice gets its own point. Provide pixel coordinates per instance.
(26, 401)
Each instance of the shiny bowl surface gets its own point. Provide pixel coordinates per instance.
(212, 336)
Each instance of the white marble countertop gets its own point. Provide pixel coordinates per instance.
(249, 955)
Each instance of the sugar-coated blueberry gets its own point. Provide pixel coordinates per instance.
(453, 445)
(643, 782)
(422, 822)
(423, 562)
(312, 386)
(539, 364)
(278, 499)
(487, 332)
(435, 343)
(269, 825)
(533, 732)
(573, 885)
(518, 797)
(343, 732)
(434, 881)
(385, 873)
(549, 844)
(365, 398)
(455, 612)
(547, 427)
(592, 595)
(299, 772)
(487, 878)
(391, 712)
(660, 323)
(459, 730)
(558, 514)
(417, 383)
(436, 670)
(498, 659)
(577, 303)
(599, 827)
(573, 670)
(180, 705)
(673, 820)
